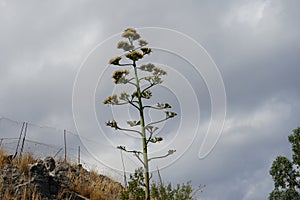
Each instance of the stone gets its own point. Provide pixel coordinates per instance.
(49, 163)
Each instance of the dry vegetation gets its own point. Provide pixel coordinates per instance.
(88, 184)
(95, 186)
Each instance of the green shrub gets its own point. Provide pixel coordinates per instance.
(135, 189)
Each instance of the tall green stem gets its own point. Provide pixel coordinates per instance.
(144, 140)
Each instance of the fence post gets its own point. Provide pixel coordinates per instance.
(124, 172)
(65, 142)
(78, 155)
(58, 152)
(159, 176)
(23, 125)
(24, 138)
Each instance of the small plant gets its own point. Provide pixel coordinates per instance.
(135, 188)
(145, 76)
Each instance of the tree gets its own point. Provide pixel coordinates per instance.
(145, 76)
(286, 174)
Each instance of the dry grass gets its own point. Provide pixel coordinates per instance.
(4, 158)
(30, 193)
(95, 186)
(22, 162)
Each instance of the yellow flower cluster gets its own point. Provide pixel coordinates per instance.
(131, 34)
(134, 55)
(115, 60)
(119, 76)
(147, 67)
(125, 46)
(112, 124)
(142, 42)
(146, 50)
(158, 71)
(113, 99)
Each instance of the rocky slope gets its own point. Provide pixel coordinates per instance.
(26, 178)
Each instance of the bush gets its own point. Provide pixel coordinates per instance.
(135, 189)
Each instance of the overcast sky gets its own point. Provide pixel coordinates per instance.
(255, 45)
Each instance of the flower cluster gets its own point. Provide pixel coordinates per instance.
(156, 139)
(115, 60)
(119, 76)
(145, 94)
(125, 46)
(163, 105)
(112, 124)
(142, 42)
(133, 123)
(134, 55)
(147, 67)
(113, 99)
(146, 50)
(124, 96)
(156, 80)
(122, 148)
(158, 71)
(170, 114)
(171, 152)
(131, 34)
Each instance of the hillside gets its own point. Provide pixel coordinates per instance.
(26, 178)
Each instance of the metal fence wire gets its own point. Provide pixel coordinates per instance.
(22, 137)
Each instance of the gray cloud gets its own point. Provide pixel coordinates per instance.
(254, 44)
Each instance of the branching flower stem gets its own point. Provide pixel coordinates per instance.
(135, 153)
(165, 119)
(129, 130)
(129, 64)
(144, 140)
(159, 157)
(131, 103)
(150, 137)
(147, 88)
(153, 107)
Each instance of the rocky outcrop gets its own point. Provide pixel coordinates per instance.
(45, 179)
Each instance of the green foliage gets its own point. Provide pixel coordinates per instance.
(286, 174)
(135, 191)
(180, 192)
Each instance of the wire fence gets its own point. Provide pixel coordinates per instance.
(22, 137)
